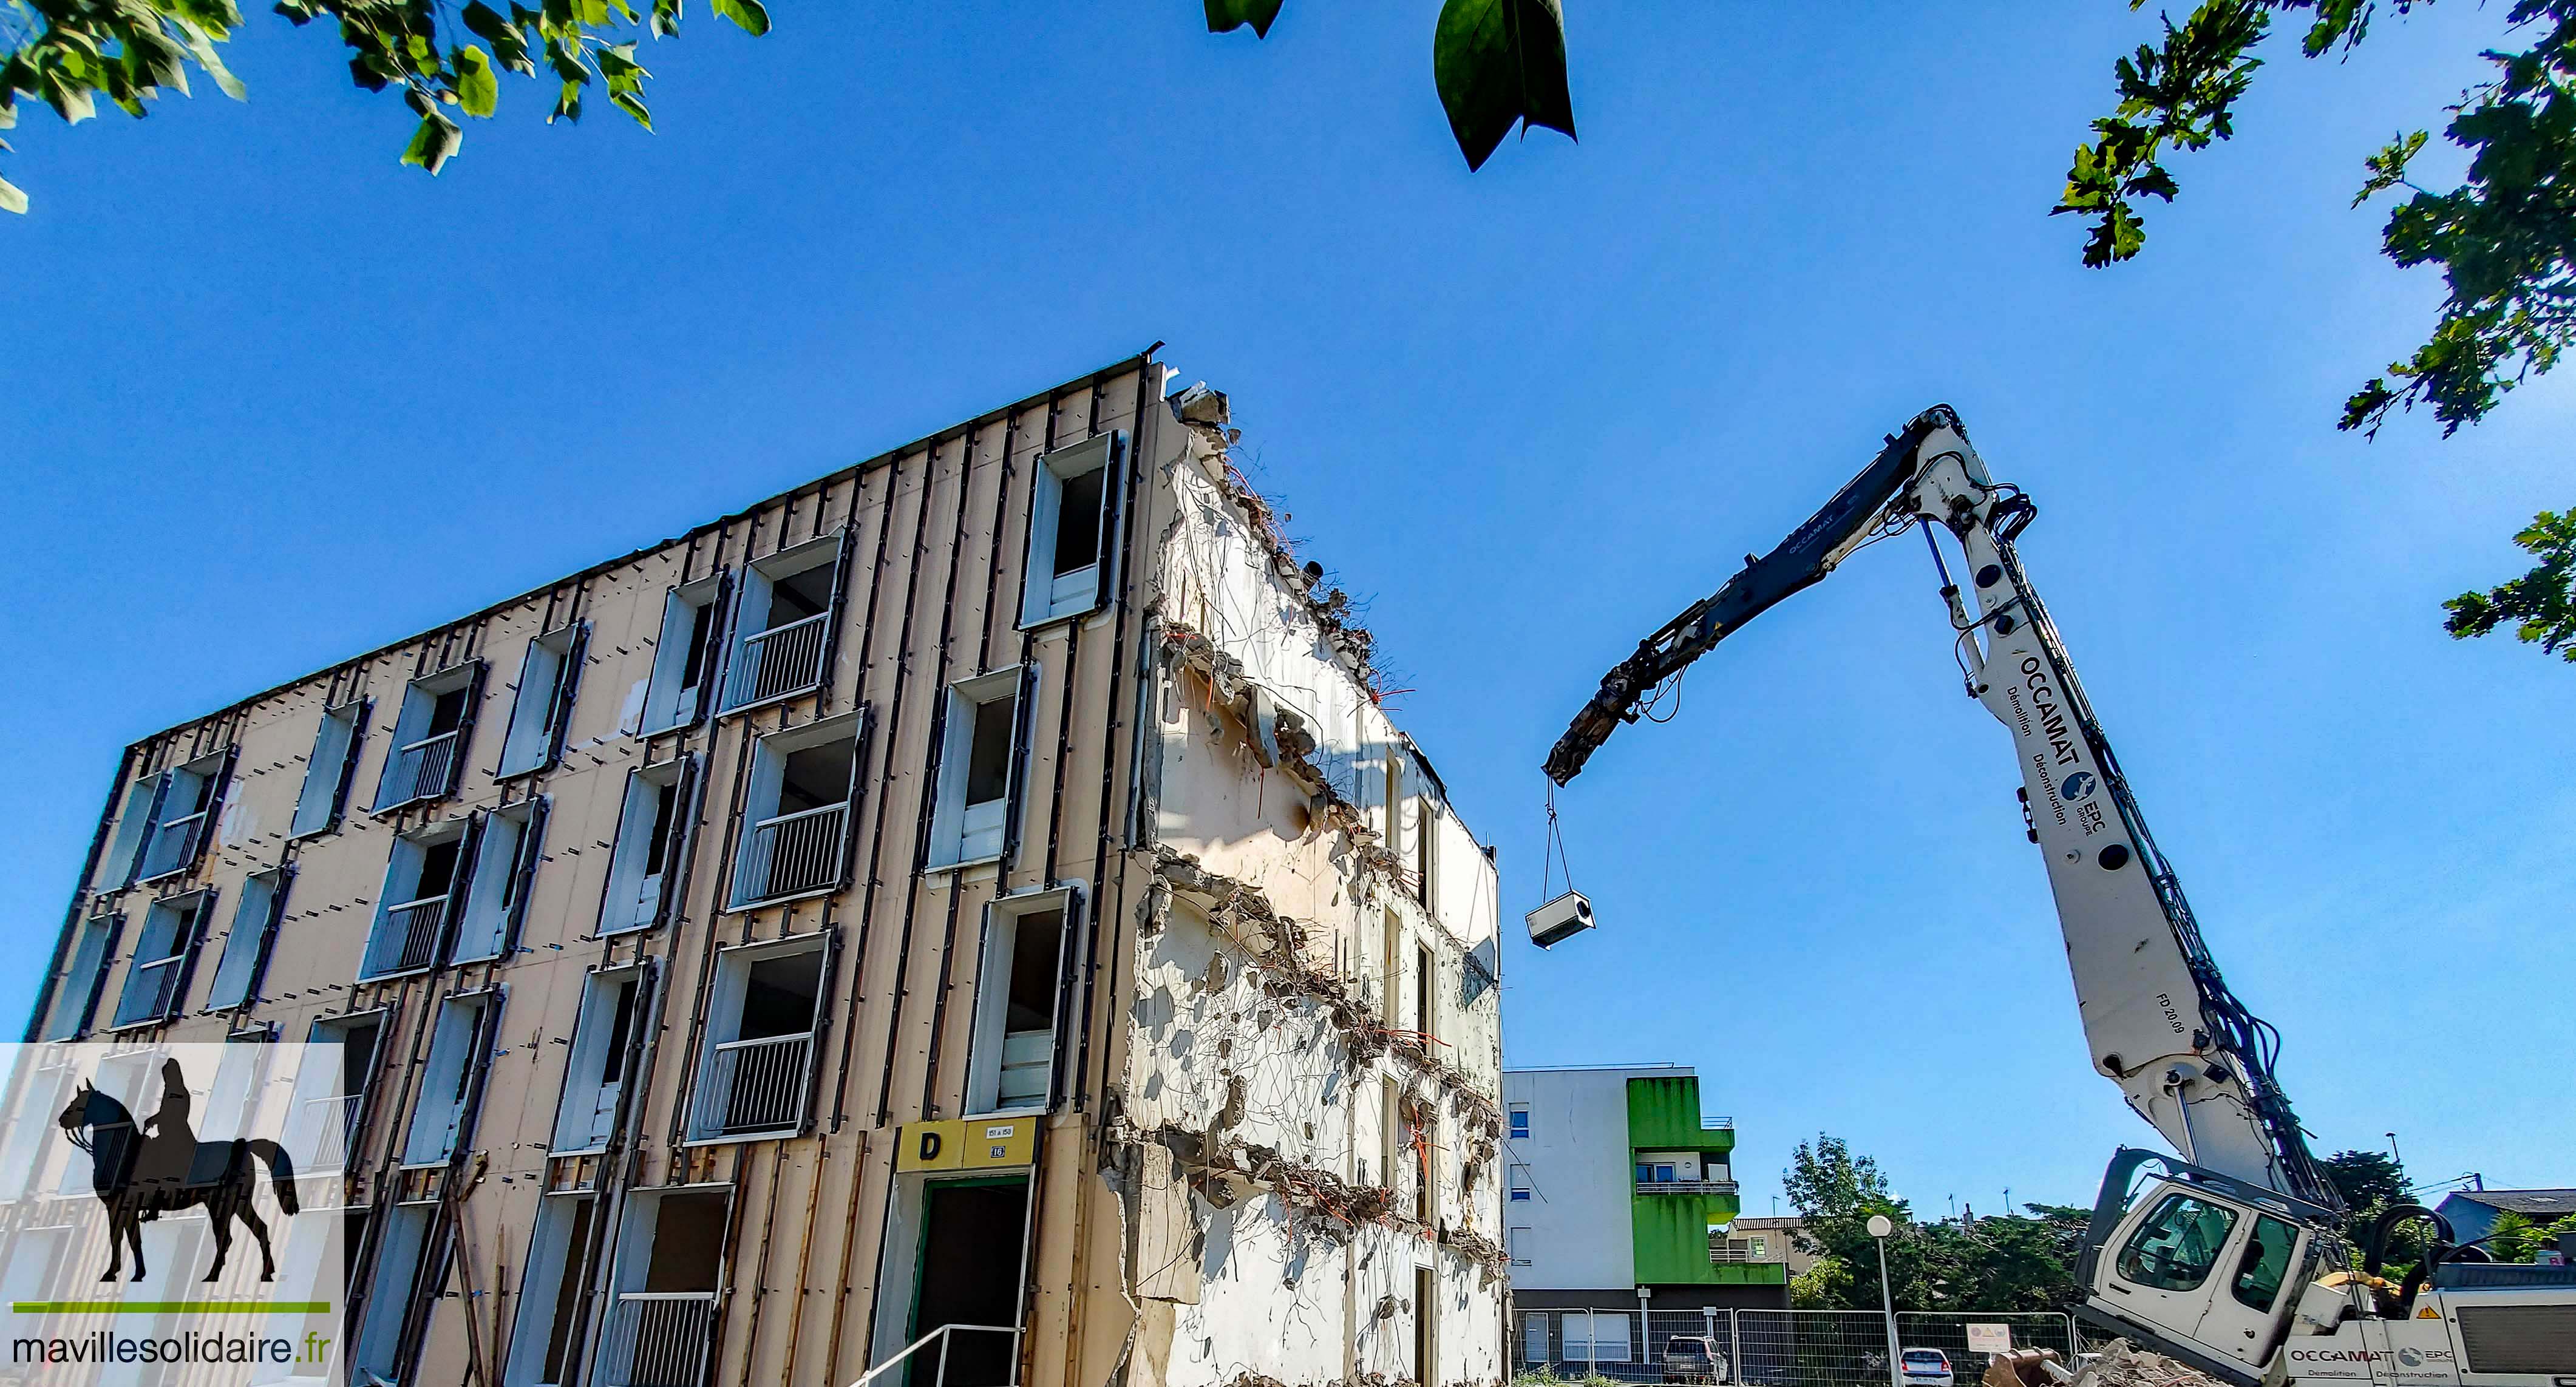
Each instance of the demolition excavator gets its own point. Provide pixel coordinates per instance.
(2231, 1254)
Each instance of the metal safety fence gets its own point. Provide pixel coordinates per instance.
(1774, 1348)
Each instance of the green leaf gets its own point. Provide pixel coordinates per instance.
(1227, 15)
(749, 14)
(433, 143)
(478, 89)
(567, 104)
(509, 46)
(1500, 63)
(12, 200)
(632, 105)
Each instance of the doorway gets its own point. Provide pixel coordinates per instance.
(971, 1232)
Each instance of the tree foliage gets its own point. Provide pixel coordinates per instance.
(2538, 603)
(2519, 1237)
(445, 62)
(2504, 239)
(1496, 63)
(2015, 1261)
(2369, 1181)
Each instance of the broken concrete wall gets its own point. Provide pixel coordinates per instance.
(1320, 1110)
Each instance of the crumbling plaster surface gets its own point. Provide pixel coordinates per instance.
(1275, 1227)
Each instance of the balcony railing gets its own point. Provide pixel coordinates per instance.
(1730, 1252)
(657, 1338)
(1686, 1187)
(173, 846)
(324, 1129)
(791, 854)
(945, 1336)
(149, 986)
(779, 661)
(406, 938)
(1717, 1124)
(420, 770)
(754, 1086)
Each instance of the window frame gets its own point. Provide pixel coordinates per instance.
(2127, 1265)
(695, 1131)
(1517, 1185)
(380, 1018)
(211, 773)
(626, 878)
(988, 1034)
(181, 960)
(410, 722)
(571, 642)
(1040, 605)
(467, 832)
(759, 579)
(344, 779)
(952, 754)
(1516, 1130)
(473, 1067)
(671, 655)
(262, 938)
(513, 874)
(581, 1050)
(109, 927)
(767, 778)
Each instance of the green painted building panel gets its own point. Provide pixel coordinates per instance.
(1669, 1233)
(1663, 1115)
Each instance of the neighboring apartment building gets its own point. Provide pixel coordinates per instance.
(976, 887)
(1764, 1239)
(1617, 1190)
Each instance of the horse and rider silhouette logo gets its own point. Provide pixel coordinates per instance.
(140, 1171)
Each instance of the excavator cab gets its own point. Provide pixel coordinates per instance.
(2204, 1268)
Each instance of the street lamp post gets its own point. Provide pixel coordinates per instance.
(1879, 1227)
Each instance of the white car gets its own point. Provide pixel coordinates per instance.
(1924, 1367)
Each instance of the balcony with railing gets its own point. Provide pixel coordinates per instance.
(419, 770)
(1686, 1187)
(791, 854)
(325, 1128)
(1717, 1124)
(779, 661)
(752, 1087)
(405, 938)
(151, 988)
(173, 845)
(657, 1338)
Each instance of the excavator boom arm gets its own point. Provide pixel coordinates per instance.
(2160, 1021)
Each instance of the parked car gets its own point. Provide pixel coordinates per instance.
(1924, 1367)
(1690, 1358)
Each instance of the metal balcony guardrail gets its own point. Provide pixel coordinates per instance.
(795, 853)
(1686, 1187)
(407, 937)
(325, 1128)
(779, 661)
(754, 1085)
(148, 986)
(1717, 1124)
(657, 1338)
(946, 1334)
(419, 770)
(173, 845)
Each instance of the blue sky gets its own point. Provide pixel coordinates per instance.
(277, 400)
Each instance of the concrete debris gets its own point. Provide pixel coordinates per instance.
(2124, 1364)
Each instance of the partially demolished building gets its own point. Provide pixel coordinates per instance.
(977, 888)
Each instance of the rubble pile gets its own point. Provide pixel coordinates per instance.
(2123, 1364)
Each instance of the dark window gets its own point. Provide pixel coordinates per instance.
(988, 751)
(613, 1064)
(437, 869)
(447, 713)
(657, 845)
(1035, 940)
(702, 627)
(778, 995)
(1077, 521)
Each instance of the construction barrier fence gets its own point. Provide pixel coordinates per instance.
(1773, 1348)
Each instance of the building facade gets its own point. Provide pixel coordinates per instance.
(1619, 1196)
(978, 887)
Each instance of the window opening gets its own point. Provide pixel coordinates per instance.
(2265, 1264)
(2178, 1244)
(327, 772)
(159, 970)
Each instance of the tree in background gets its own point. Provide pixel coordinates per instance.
(2504, 239)
(2520, 1238)
(2010, 1262)
(70, 53)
